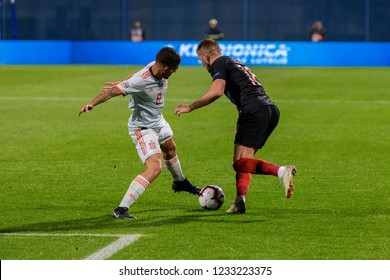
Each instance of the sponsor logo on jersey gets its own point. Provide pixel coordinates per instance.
(125, 84)
(216, 74)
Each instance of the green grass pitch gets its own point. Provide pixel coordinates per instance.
(61, 175)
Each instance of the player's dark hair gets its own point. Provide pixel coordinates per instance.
(210, 45)
(168, 56)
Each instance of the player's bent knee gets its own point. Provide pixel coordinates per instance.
(157, 170)
(154, 165)
(154, 170)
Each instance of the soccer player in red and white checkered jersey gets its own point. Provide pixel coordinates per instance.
(151, 133)
(258, 117)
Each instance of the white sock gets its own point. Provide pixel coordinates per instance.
(174, 167)
(136, 188)
(281, 171)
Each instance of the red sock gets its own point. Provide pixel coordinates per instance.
(255, 166)
(242, 183)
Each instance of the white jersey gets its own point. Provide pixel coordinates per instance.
(146, 99)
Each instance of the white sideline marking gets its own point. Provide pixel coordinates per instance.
(123, 241)
(114, 247)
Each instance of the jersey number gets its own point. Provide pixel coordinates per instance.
(252, 78)
(159, 98)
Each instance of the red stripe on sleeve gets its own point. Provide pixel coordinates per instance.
(120, 90)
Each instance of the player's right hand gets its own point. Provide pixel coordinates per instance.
(111, 84)
(180, 109)
(86, 109)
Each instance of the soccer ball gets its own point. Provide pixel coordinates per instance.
(211, 197)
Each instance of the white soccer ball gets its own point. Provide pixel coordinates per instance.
(211, 197)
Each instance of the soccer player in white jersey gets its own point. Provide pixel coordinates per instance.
(150, 132)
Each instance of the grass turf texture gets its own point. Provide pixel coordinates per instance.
(61, 173)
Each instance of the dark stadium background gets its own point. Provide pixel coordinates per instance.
(279, 20)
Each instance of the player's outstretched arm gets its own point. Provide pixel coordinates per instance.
(216, 90)
(107, 93)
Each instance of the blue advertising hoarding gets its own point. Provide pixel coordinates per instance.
(251, 53)
(297, 53)
(35, 52)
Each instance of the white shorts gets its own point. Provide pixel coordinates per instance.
(147, 141)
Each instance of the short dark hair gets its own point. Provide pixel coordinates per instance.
(168, 56)
(210, 45)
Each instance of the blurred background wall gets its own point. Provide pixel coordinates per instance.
(258, 20)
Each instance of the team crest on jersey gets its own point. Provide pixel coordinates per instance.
(145, 75)
(152, 145)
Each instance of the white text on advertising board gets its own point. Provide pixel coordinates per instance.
(254, 54)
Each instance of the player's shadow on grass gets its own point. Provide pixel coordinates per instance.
(106, 224)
